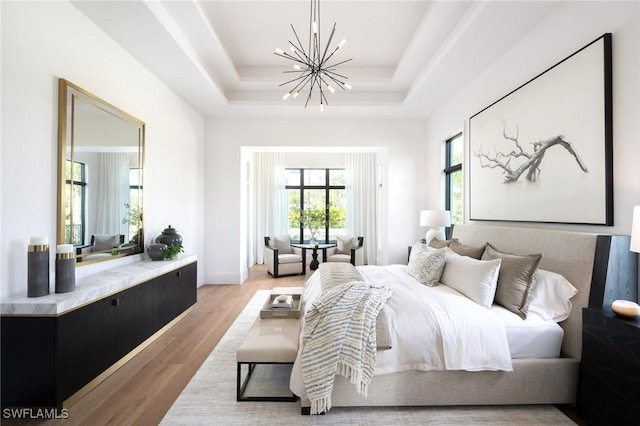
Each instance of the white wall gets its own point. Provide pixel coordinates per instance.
(403, 141)
(44, 41)
(571, 26)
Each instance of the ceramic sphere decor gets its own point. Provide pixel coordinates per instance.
(169, 236)
(156, 251)
(625, 308)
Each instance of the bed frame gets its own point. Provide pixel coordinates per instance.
(585, 259)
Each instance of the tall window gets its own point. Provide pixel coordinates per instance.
(454, 148)
(134, 206)
(75, 187)
(318, 195)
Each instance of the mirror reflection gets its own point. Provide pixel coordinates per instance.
(100, 177)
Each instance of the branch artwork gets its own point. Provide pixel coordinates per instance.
(501, 160)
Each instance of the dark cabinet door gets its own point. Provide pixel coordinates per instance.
(188, 286)
(85, 345)
(28, 361)
(134, 318)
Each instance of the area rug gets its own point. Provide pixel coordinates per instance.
(210, 397)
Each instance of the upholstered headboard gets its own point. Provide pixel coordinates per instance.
(572, 254)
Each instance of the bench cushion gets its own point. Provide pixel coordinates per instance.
(270, 341)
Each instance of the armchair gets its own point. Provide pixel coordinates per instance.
(347, 250)
(281, 258)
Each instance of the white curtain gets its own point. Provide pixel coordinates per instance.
(271, 215)
(112, 186)
(360, 170)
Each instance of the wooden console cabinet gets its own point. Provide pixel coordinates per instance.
(46, 359)
(609, 387)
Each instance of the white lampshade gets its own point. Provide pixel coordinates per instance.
(436, 220)
(635, 230)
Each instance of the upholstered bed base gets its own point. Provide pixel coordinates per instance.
(538, 381)
(532, 381)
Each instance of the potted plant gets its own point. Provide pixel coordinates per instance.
(313, 219)
(172, 251)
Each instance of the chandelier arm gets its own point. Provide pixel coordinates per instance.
(291, 81)
(326, 48)
(289, 57)
(336, 74)
(304, 82)
(297, 51)
(335, 80)
(338, 63)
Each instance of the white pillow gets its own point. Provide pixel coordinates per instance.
(551, 295)
(282, 243)
(345, 244)
(426, 266)
(476, 279)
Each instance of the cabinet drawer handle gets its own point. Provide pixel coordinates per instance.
(116, 302)
(179, 274)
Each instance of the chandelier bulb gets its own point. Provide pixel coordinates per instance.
(342, 43)
(286, 96)
(279, 51)
(297, 67)
(347, 86)
(315, 27)
(321, 107)
(295, 95)
(331, 89)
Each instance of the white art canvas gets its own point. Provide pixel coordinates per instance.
(543, 152)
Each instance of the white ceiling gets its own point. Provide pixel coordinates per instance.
(409, 57)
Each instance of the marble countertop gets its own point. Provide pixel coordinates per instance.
(91, 288)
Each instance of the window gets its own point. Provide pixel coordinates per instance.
(454, 154)
(134, 206)
(319, 195)
(75, 188)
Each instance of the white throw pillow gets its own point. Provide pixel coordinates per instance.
(345, 244)
(476, 279)
(282, 243)
(426, 266)
(551, 295)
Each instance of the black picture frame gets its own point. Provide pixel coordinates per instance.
(544, 152)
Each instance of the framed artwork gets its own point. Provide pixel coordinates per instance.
(543, 153)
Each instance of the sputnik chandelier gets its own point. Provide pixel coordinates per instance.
(311, 66)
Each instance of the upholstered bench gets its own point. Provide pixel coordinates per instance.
(270, 341)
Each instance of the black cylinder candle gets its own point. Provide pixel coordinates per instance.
(38, 267)
(65, 268)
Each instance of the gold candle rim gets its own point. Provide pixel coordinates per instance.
(64, 256)
(38, 247)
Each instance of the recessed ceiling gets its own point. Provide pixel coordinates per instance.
(408, 56)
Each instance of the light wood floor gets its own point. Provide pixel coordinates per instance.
(143, 390)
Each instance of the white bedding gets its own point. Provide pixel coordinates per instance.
(416, 346)
(531, 338)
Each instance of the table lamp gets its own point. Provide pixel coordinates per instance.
(436, 220)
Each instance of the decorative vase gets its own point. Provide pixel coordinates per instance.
(156, 251)
(169, 236)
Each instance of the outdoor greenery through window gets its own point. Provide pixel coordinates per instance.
(316, 204)
(134, 206)
(75, 178)
(454, 155)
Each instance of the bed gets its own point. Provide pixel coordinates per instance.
(534, 378)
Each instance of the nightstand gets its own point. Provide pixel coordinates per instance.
(609, 386)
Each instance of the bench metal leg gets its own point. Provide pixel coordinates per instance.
(241, 387)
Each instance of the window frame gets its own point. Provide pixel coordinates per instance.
(327, 187)
(449, 170)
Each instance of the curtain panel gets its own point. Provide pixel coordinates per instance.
(270, 214)
(361, 218)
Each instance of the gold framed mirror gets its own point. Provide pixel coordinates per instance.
(100, 177)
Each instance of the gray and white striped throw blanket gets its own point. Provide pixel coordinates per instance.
(339, 337)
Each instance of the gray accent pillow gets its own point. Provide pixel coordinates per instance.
(105, 242)
(282, 243)
(516, 279)
(436, 243)
(345, 244)
(426, 265)
(462, 250)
